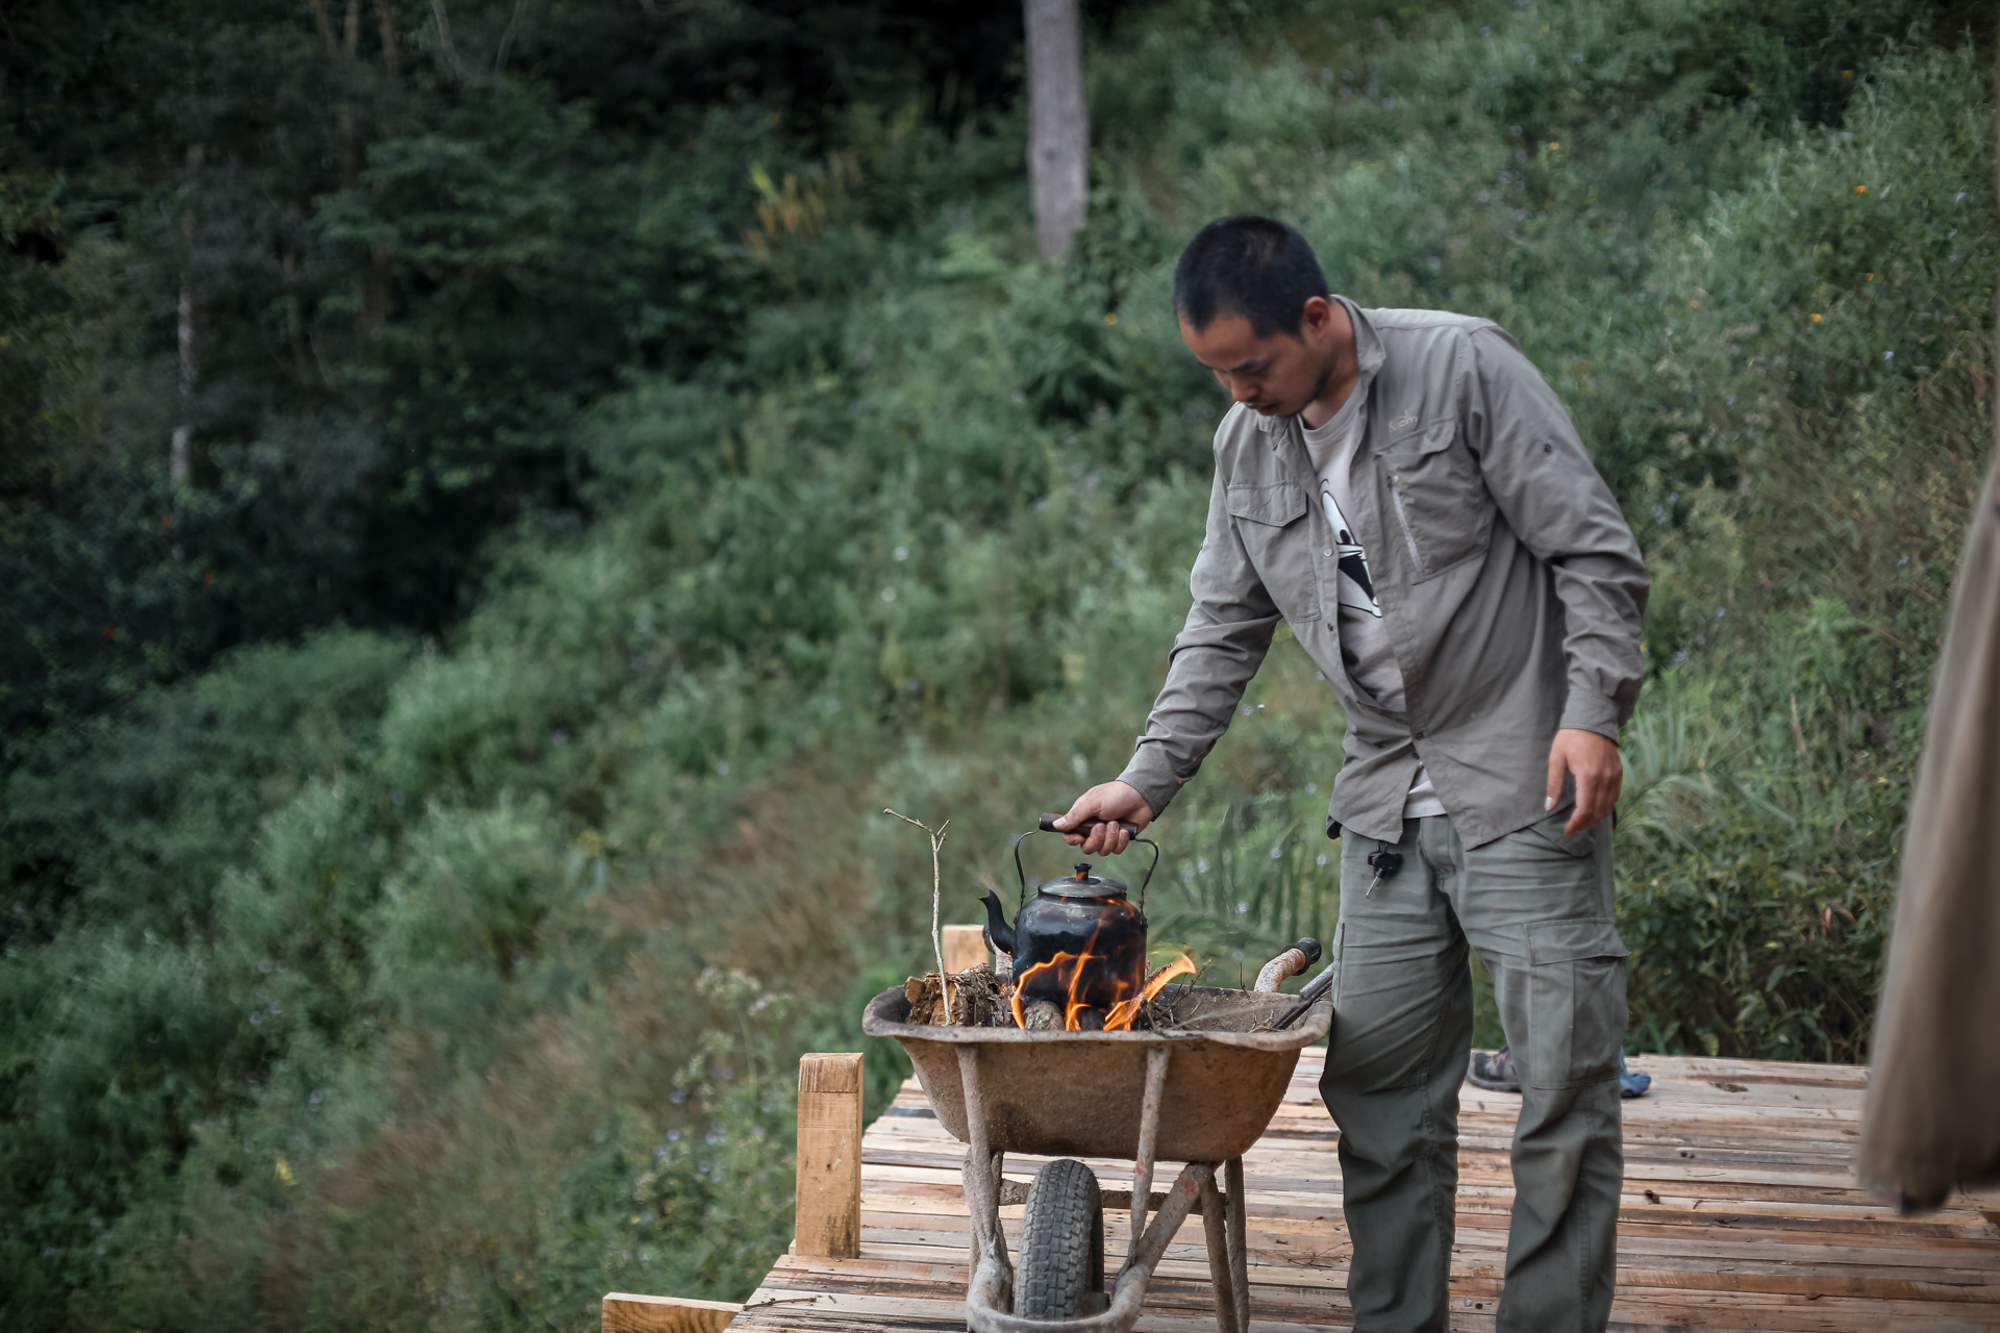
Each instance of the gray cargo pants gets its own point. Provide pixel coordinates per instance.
(1537, 905)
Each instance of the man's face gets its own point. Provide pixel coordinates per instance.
(1276, 375)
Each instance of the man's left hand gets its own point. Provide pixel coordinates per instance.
(1593, 761)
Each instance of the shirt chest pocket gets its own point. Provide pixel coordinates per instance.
(1440, 500)
(1271, 523)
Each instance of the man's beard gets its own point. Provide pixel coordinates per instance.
(1319, 386)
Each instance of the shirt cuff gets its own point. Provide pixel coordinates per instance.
(1585, 711)
(1151, 774)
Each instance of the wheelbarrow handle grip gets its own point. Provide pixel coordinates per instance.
(1309, 994)
(1048, 825)
(1288, 964)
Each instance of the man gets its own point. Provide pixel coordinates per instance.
(1405, 490)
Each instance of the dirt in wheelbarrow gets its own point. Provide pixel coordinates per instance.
(978, 999)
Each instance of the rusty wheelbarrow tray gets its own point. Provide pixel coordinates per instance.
(1200, 1093)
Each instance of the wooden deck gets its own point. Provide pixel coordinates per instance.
(1739, 1213)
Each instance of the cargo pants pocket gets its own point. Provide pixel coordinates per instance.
(1576, 1001)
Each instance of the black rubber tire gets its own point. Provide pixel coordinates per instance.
(1062, 1245)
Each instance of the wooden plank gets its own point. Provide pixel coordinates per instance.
(829, 1155)
(1739, 1211)
(964, 948)
(1987, 1201)
(627, 1313)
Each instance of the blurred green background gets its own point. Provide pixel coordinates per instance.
(632, 443)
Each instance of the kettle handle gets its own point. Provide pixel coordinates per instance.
(1047, 824)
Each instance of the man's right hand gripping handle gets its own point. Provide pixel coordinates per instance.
(1113, 805)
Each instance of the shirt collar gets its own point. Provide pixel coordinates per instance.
(1367, 351)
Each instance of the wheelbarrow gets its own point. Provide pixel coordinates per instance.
(1199, 1090)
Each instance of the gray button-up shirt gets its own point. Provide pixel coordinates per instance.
(1510, 584)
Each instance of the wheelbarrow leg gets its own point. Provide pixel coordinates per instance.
(1221, 1266)
(992, 1274)
(1149, 1137)
(1237, 1211)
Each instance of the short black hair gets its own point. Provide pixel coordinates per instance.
(1256, 267)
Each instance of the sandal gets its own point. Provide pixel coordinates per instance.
(1495, 1071)
(1632, 1082)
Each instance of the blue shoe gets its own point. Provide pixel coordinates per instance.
(1632, 1083)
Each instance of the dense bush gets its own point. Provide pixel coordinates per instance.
(451, 982)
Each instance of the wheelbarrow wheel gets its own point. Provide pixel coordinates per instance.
(1062, 1245)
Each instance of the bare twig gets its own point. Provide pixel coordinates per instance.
(445, 45)
(507, 40)
(936, 836)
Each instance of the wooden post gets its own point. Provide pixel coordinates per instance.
(964, 947)
(627, 1313)
(829, 1188)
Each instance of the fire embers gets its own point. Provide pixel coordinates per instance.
(1089, 991)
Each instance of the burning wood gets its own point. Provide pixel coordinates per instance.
(1125, 1012)
(979, 999)
(1087, 999)
(1037, 1015)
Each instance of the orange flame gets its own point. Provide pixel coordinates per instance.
(1069, 970)
(1125, 1011)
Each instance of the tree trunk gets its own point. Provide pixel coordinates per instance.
(391, 56)
(180, 460)
(1058, 124)
(507, 40)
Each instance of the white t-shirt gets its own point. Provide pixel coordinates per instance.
(1364, 640)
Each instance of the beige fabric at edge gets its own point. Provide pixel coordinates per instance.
(1933, 1114)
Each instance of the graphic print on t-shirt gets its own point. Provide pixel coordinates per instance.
(1357, 589)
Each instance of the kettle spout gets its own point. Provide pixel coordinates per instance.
(999, 935)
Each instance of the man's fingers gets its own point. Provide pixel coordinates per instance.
(1596, 794)
(1083, 808)
(1595, 772)
(1106, 807)
(1106, 838)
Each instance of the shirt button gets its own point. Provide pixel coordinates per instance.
(1329, 553)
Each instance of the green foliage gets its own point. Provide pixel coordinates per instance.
(365, 982)
(406, 263)
(135, 819)
(714, 1204)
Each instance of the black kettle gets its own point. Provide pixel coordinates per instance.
(1079, 943)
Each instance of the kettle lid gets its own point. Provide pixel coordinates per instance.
(1083, 884)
